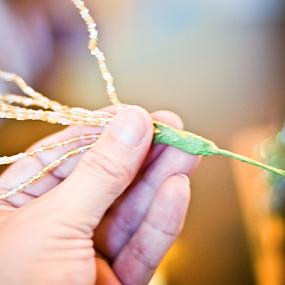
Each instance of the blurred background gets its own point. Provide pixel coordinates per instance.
(218, 63)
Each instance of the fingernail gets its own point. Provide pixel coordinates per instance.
(130, 126)
(184, 177)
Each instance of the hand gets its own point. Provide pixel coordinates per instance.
(107, 217)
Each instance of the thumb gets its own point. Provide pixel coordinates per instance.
(108, 168)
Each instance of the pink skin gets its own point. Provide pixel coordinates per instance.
(107, 217)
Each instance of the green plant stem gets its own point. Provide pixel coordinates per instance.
(251, 161)
(196, 145)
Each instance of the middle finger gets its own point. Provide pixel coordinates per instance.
(125, 217)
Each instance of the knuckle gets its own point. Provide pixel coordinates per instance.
(140, 254)
(125, 224)
(96, 162)
(165, 231)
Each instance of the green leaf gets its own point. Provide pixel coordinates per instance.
(197, 145)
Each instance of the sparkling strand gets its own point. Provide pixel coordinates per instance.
(95, 51)
(18, 107)
(12, 159)
(8, 110)
(43, 102)
(29, 91)
(69, 117)
(13, 99)
(45, 171)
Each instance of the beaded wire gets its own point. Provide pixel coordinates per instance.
(38, 107)
(11, 159)
(47, 169)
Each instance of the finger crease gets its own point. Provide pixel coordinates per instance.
(166, 233)
(140, 255)
(52, 172)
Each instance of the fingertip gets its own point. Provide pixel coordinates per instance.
(144, 112)
(176, 195)
(131, 126)
(196, 160)
(178, 186)
(168, 117)
(182, 178)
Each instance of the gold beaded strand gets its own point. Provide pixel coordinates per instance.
(21, 187)
(14, 158)
(20, 108)
(95, 51)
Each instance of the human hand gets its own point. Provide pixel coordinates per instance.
(107, 217)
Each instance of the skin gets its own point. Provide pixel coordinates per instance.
(105, 217)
